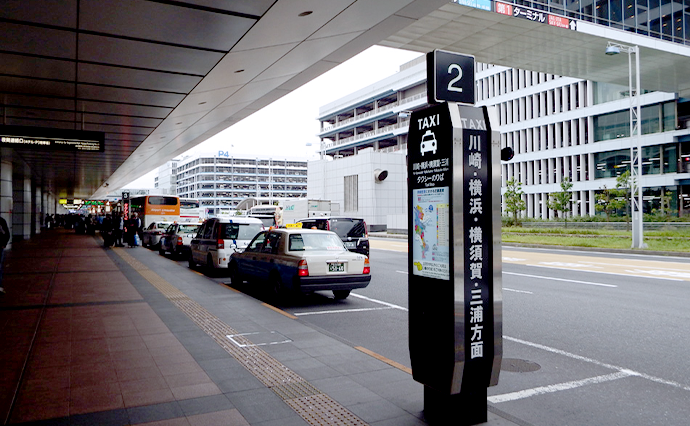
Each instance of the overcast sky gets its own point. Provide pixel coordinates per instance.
(293, 118)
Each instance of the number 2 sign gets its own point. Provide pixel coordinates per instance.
(450, 77)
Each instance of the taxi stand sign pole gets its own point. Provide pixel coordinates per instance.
(455, 300)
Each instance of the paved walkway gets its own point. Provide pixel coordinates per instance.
(94, 336)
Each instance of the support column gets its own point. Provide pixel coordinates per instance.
(6, 203)
(21, 215)
(35, 209)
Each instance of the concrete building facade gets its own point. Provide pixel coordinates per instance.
(220, 182)
(558, 127)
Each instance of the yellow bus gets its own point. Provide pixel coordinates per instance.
(155, 208)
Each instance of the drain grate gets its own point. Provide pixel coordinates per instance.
(515, 365)
(312, 405)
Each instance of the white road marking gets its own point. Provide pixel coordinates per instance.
(599, 363)
(608, 273)
(340, 311)
(386, 305)
(512, 396)
(390, 305)
(517, 291)
(560, 279)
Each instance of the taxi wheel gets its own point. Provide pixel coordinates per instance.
(161, 250)
(209, 262)
(341, 294)
(192, 263)
(234, 275)
(275, 287)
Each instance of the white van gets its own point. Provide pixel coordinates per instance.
(218, 238)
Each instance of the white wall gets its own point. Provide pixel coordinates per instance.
(378, 202)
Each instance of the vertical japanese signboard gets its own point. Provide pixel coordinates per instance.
(477, 239)
(125, 204)
(454, 285)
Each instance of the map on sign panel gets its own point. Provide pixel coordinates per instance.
(430, 249)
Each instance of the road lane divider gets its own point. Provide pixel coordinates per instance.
(560, 279)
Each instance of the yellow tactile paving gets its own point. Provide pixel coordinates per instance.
(313, 406)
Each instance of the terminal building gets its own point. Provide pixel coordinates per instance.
(558, 127)
(221, 182)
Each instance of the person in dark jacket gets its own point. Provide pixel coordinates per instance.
(4, 240)
(107, 231)
(133, 228)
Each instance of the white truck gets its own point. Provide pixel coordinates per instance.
(301, 208)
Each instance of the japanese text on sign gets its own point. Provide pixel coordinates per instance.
(475, 255)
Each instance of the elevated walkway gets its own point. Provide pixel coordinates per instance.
(120, 336)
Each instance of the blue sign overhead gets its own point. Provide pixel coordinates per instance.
(477, 4)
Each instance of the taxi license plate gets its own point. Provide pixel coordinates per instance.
(336, 267)
(350, 244)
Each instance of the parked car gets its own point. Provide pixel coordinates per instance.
(352, 231)
(177, 237)
(151, 235)
(301, 260)
(218, 238)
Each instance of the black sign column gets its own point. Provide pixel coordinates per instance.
(454, 259)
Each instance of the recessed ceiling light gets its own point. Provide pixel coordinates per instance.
(307, 13)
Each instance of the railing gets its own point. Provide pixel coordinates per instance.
(374, 111)
(366, 135)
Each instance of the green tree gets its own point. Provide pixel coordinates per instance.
(513, 197)
(609, 200)
(625, 184)
(560, 201)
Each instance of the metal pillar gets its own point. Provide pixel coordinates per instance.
(635, 139)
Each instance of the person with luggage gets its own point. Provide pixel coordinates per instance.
(133, 228)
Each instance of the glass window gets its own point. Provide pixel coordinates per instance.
(650, 119)
(272, 243)
(239, 231)
(670, 164)
(257, 243)
(611, 164)
(651, 160)
(612, 126)
(207, 229)
(669, 116)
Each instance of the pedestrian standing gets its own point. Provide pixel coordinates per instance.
(119, 229)
(107, 230)
(4, 239)
(133, 228)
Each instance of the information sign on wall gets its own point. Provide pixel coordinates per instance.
(51, 139)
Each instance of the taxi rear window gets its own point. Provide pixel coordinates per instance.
(239, 231)
(348, 227)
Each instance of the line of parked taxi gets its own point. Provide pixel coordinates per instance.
(301, 258)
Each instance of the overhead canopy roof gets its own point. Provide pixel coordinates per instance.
(578, 50)
(160, 77)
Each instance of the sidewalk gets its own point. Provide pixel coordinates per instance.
(122, 336)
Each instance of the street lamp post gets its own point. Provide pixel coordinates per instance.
(635, 139)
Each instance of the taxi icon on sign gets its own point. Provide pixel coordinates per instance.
(428, 143)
